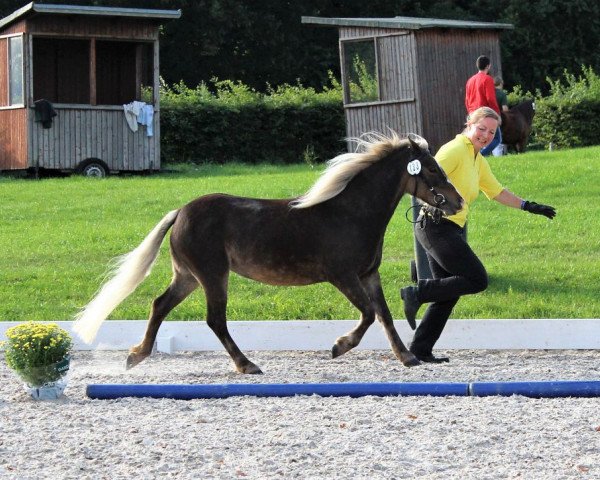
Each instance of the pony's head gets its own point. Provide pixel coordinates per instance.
(428, 181)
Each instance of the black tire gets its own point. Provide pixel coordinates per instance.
(93, 168)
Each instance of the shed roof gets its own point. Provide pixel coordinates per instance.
(410, 23)
(33, 8)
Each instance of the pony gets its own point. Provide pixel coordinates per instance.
(516, 125)
(333, 233)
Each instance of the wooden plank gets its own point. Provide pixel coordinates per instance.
(156, 75)
(55, 135)
(4, 68)
(93, 71)
(156, 157)
(122, 29)
(125, 143)
(138, 71)
(139, 153)
(118, 147)
(77, 130)
(107, 129)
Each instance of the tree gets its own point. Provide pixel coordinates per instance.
(264, 42)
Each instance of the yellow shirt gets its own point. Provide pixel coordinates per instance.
(468, 172)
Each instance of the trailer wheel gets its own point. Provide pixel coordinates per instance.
(93, 168)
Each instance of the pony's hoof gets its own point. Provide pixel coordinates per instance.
(409, 360)
(338, 350)
(132, 360)
(341, 346)
(250, 369)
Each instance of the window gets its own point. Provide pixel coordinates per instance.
(122, 70)
(379, 69)
(15, 52)
(360, 70)
(62, 71)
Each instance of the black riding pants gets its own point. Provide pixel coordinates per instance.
(456, 271)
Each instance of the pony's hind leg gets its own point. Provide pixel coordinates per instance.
(181, 286)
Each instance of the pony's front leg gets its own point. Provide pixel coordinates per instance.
(216, 307)
(354, 291)
(372, 284)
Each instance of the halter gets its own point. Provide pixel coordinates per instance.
(414, 169)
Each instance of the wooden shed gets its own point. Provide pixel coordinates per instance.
(409, 74)
(66, 73)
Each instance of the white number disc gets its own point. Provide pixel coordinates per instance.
(414, 167)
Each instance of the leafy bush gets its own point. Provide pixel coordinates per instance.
(518, 95)
(228, 121)
(570, 115)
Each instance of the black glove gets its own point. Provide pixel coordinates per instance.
(538, 209)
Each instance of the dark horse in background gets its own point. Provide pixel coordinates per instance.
(516, 125)
(334, 233)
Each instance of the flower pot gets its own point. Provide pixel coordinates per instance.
(48, 391)
(46, 382)
(38, 352)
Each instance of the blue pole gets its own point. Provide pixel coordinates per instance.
(556, 389)
(188, 392)
(547, 389)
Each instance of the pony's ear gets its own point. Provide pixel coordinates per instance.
(417, 142)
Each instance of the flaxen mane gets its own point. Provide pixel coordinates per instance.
(371, 148)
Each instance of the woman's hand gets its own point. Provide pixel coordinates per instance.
(538, 209)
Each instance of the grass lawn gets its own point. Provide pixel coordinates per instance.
(58, 235)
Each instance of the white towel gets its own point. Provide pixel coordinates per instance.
(132, 111)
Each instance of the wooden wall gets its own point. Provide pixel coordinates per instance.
(13, 139)
(422, 77)
(446, 60)
(72, 26)
(398, 116)
(398, 108)
(13, 123)
(17, 27)
(79, 133)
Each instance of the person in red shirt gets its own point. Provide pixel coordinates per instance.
(481, 92)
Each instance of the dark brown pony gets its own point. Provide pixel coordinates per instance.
(334, 233)
(516, 125)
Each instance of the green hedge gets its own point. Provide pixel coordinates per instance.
(227, 121)
(570, 115)
(568, 124)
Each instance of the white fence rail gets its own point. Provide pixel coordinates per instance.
(321, 334)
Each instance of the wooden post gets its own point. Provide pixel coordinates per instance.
(138, 71)
(93, 71)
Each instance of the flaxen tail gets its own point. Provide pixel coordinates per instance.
(130, 270)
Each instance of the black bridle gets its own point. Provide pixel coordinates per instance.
(415, 169)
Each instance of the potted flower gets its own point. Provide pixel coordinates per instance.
(40, 354)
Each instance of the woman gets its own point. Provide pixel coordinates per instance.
(456, 269)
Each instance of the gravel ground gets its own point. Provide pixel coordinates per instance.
(306, 437)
